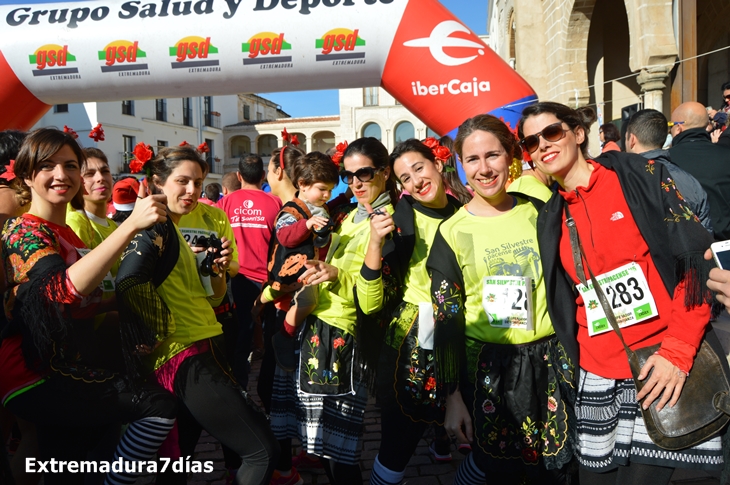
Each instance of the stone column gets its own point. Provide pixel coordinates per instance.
(651, 79)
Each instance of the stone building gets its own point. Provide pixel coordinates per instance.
(616, 54)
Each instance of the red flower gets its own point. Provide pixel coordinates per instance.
(184, 144)
(315, 340)
(9, 173)
(529, 455)
(439, 152)
(430, 384)
(431, 142)
(337, 157)
(97, 133)
(142, 154)
(70, 131)
(285, 135)
(203, 148)
(338, 342)
(294, 140)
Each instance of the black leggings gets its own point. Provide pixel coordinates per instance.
(625, 475)
(341, 474)
(399, 438)
(224, 410)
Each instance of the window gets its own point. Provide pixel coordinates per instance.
(161, 109)
(404, 131)
(431, 133)
(128, 107)
(210, 155)
(60, 108)
(128, 147)
(162, 144)
(246, 112)
(322, 141)
(267, 144)
(187, 111)
(259, 115)
(240, 146)
(370, 96)
(372, 129)
(207, 108)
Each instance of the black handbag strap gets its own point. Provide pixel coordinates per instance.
(578, 257)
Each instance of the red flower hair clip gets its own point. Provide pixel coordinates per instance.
(290, 139)
(184, 144)
(203, 148)
(337, 156)
(142, 154)
(439, 152)
(70, 131)
(97, 133)
(8, 171)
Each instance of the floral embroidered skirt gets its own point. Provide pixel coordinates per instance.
(406, 370)
(519, 401)
(330, 426)
(611, 431)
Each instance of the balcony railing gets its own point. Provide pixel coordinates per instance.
(124, 159)
(213, 119)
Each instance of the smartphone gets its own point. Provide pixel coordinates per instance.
(721, 253)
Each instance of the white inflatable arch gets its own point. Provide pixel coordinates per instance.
(106, 50)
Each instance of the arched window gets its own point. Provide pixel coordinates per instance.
(302, 139)
(240, 146)
(431, 133)
(404, 131)
(372, 129)
(322, 141)
(266, 145)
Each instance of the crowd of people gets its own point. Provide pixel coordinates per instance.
(462, 306)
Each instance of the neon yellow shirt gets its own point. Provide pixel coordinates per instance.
(91, 230)
(418, 282)
(529, 185)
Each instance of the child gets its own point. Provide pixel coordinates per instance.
(302, 233)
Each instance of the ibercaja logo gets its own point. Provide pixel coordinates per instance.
(123, 56)
(192, 53)
(265, 50)
(343, 46)
(52, 59)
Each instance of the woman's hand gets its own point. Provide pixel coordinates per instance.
(316, 221)
(318, 272)
(458, 421)
(715, 135)
(666, 380)
(149, 209)
(381, 224)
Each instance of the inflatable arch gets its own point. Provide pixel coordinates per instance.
(107, 50)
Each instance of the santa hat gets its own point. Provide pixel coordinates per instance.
(124, 194)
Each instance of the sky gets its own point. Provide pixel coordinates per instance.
(473, 13)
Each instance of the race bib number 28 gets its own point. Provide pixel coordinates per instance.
(627, 291)
(507, 301)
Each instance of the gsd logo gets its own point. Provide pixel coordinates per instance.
(340, 44)
(441, 37)
(52, 56)
(193, 47)
(266, 48)
(122, 56)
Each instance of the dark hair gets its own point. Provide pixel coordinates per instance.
(291, 155)
(373, 149)
(725, 86)
(93, 152)
(39, 146)
(453, 182)
(490, 124)
(231, 182)
(168, 159)
(314, 167)
(10, 142)
(582, 117)
(251, 168)
(649, 126)
(610, 132)
(213, 192)
(411, 145)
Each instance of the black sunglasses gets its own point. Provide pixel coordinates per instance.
(551, 133)
(364, 174)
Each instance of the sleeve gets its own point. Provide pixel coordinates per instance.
(272, 294)
(685, 331)
(448, 298)
(703, 211)
(292, 235)
(369, 287)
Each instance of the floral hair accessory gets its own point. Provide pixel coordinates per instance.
(290, 139)
(8, 171)
(70, 131)
(142, 154)
(439, 152)
(184, 144)
(337, 156)
(97, 133)
(203, 148)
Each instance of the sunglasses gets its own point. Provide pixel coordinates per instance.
(364, 174)
(551, 133)
(672, 123)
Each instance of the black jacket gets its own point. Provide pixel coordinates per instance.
(709, 163)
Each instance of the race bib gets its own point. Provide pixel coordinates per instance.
(507, 301)
(628, 294)
(425, 325)
(191, 235)
(107, 284)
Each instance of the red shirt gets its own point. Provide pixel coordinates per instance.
(611, 239)
(252, 214)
